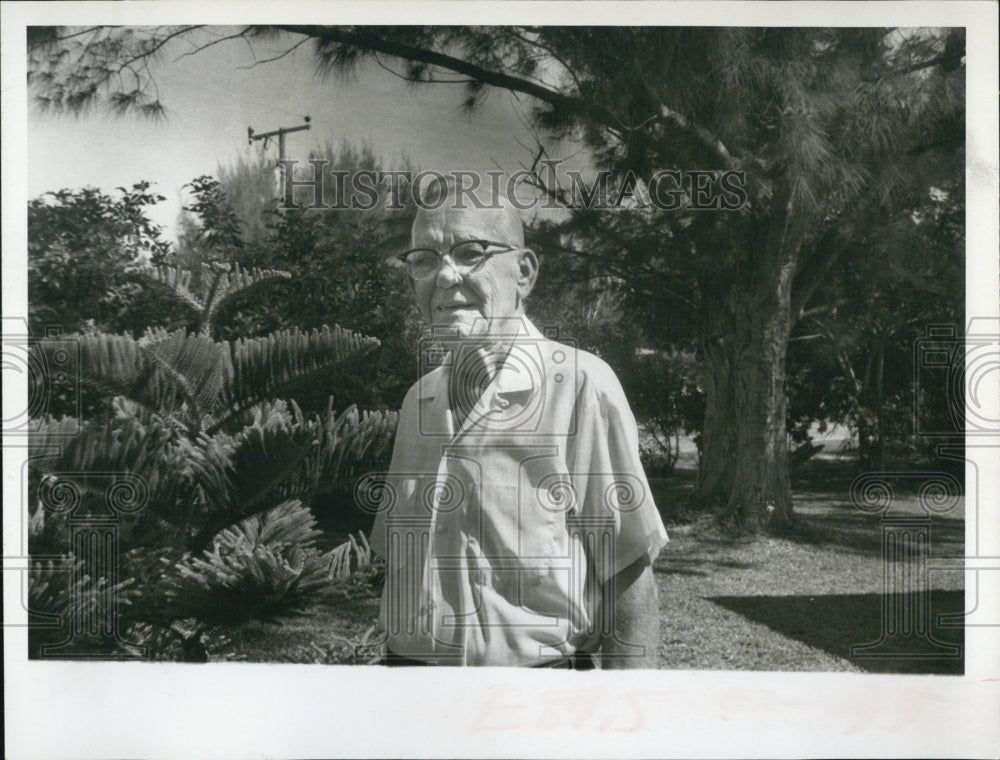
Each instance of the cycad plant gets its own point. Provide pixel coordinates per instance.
(211, 470)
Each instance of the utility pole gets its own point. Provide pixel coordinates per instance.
(280, 133)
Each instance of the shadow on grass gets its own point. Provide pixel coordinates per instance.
(828, 472)
(697, 566)
(838, 622)
(862, 534)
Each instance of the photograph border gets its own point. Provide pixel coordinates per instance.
(114, 709)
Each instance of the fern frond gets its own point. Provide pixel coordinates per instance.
(53, 585)
(259, 367)
(237, 281)
(50, 435)
(265, 457)
(154, 335)
(190, 369)
(168, 373)
(178, 281)
(351, 556)
(352, 438)
(261, 569)
(285, 525)
(49, 586)
(182, 479)
(111, 364)
(114, 359)
(342, 444)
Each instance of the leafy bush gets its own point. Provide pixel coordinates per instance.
(262, 568)
(663, 390)
(220, 469)
(86, 250)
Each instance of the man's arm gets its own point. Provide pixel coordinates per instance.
(631, 602)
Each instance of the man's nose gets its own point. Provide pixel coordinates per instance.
(447, 275)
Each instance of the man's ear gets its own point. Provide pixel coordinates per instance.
(527, 272)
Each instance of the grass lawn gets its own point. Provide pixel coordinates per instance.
(796, 603)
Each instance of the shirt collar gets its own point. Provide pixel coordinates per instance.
(509, 378)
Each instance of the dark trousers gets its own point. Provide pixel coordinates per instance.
(577, 661)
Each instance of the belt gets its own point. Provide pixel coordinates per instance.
(576, 661)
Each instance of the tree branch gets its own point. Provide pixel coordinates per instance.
(705, 137)
(157, 44)
(80, 33)
(414, 80)
(809, 277)
(548, 49)
(946, 57)
(277, 57)
(825, 308)
(369, 41)
(199, 48)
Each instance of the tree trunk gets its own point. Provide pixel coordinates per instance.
(744, 340)
(880, 402)
(718, 434)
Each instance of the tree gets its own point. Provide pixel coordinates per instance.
(826, 124)
(855, 360)
(85, 253)
(210, 230)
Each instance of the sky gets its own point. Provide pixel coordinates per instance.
(212, 97)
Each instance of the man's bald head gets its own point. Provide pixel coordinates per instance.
(489, 205)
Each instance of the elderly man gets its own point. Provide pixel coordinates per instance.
(516, 521)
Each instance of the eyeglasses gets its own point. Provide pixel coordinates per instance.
(465, 256)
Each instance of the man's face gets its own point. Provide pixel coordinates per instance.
(468, 302)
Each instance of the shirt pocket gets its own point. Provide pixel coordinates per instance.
(545, 497)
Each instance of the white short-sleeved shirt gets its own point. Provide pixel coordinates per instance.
(498, 536)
